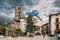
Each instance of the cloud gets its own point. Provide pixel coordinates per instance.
(30, 2)
(57, 3)
(9, 4)
(7, 8)
(45, 8)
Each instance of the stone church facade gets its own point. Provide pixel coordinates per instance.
(16, 21)
(20, 20)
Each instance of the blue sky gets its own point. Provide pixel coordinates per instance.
(45, 7)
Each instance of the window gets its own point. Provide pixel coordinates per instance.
(57, 19)
(19, 15)
(34, 20)
(19, 8)
(17, 20)
(19, 12)
(57, 25)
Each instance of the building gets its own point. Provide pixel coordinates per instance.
(23, 24)
(18, 15)
(54, 22)
(37, 21)
(20, 20)
(45, 28)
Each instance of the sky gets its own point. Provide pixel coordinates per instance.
(7, 8)
(44, 7)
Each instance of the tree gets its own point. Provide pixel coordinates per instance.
(2, 30)
(18, 31)
(30, 27)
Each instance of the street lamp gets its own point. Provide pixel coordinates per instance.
(6, 31)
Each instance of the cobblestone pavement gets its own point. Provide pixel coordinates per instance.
(28, 38)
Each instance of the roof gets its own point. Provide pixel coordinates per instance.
(39, 18)
(18, 5)
(45, 24)
(55, 14)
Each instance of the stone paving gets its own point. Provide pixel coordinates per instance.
(28, 38)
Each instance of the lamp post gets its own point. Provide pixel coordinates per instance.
(6, 29)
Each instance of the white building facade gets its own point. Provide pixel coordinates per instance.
(54, 22)
(37, 21)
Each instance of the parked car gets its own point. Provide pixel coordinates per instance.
(58, 36)
(57, 33)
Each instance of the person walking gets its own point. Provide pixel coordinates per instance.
(43, 34)
(13, 34)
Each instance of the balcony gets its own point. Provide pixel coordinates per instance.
(57, 23)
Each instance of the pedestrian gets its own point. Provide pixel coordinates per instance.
(13, 34)
(43, 34)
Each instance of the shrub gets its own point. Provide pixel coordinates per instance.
(2, 30)
(18, 30)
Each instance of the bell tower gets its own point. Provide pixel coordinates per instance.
(18, 14)
(16, 21)
(18, 11)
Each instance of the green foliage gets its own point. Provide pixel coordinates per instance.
(2, 30)
(30, 27)
(17, 30)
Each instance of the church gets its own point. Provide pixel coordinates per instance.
(16, 21)
(20, 20)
